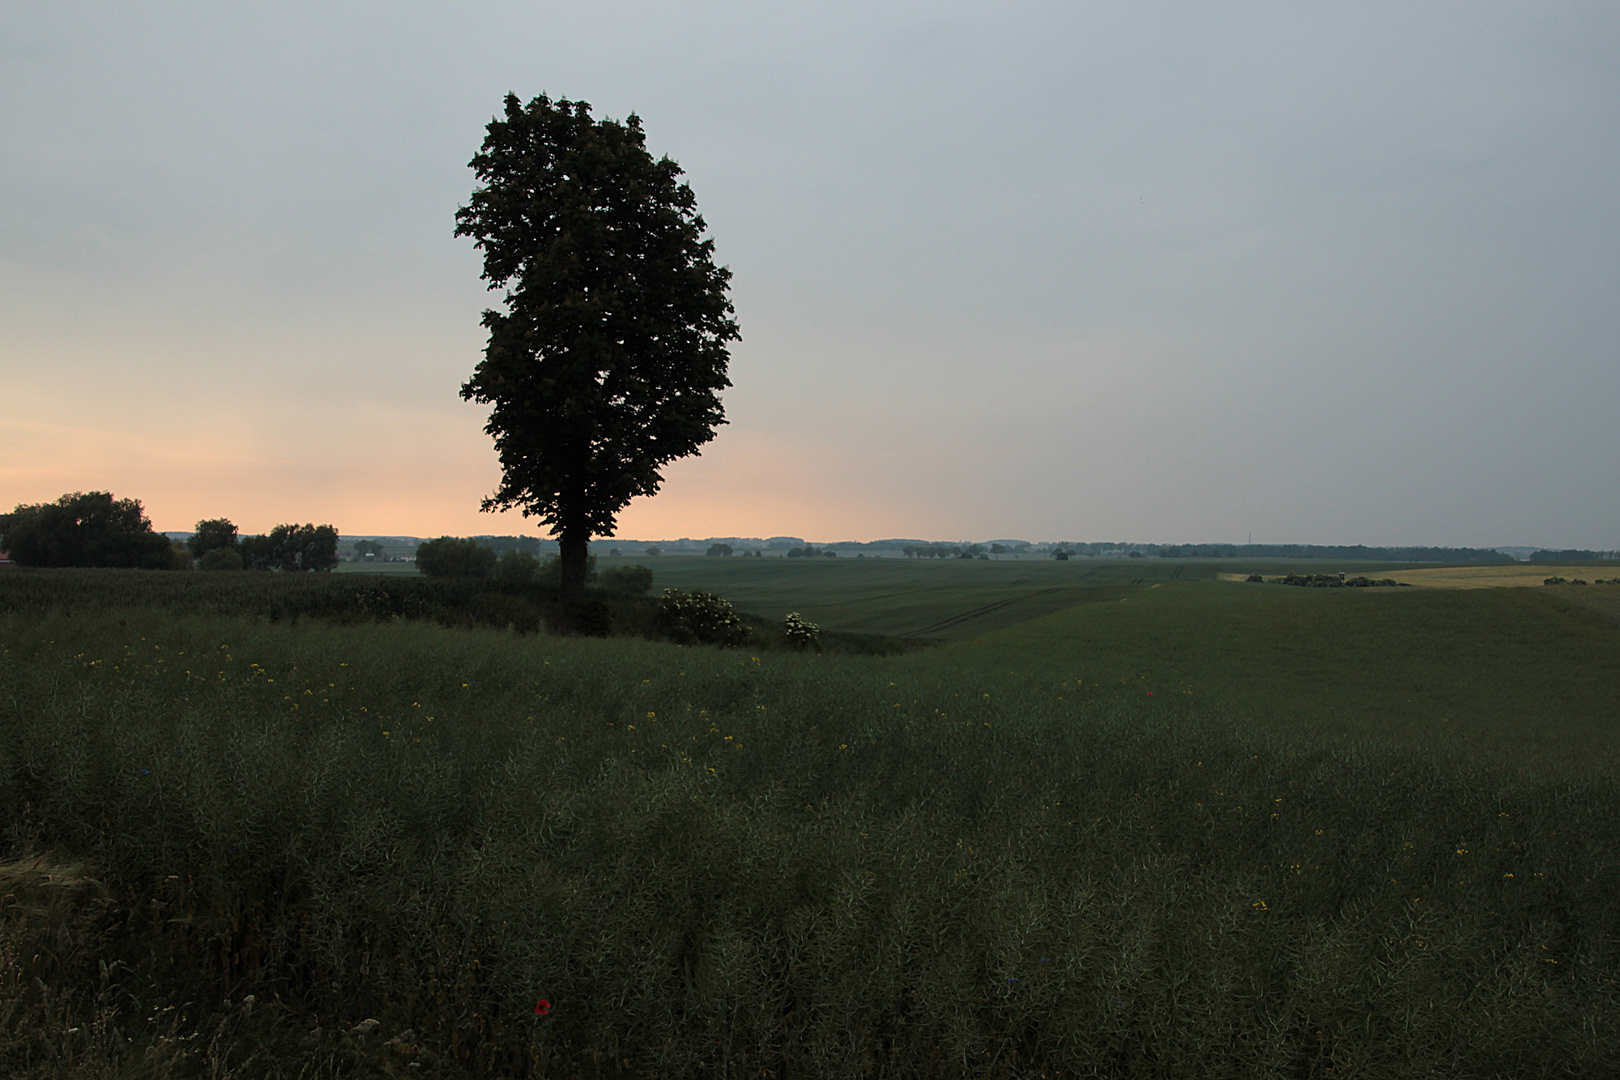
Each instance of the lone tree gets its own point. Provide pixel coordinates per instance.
(607, 362)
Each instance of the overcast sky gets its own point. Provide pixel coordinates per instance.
(1172, 273)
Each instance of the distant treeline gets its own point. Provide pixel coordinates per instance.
(797, 547)
(1355, 552)
(533, 545)
(1572, 555)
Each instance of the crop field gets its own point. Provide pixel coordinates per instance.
(944, 598)
(1170, 827)
(1496, 577)
(376, 568)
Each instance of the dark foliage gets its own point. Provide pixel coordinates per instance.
(1336, 581)
(515, 565)
(221, 558)
(451, 556)
(699, 618)
(630, 580)
(607, 362)
(211, 534)
(87, 529)
(291, 548)
(1572, 555)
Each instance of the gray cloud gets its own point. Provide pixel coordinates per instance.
(1163, 272)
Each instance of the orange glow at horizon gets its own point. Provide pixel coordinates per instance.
(746, 484)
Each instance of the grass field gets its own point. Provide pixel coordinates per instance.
(1519, 676)
(1185, 828)
(944, 598)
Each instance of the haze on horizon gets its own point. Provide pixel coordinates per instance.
(1170, 273)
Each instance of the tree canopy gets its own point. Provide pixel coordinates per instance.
(211, 534)
(291, 548)
(87, 529)
(608, 359)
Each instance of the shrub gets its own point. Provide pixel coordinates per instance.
(1255, 578)
(449, 556)
(593, 618)
(700, 618)
(629, 580)
(220, 558)
(801, 632)
(514, 565)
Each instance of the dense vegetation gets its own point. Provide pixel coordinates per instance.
(1059, 849)
(86, 529)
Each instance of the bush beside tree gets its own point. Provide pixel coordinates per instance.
(628, 580)
(451, 556)
(699, 618)
(515, 565)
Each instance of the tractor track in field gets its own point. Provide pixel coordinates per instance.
(974, 613)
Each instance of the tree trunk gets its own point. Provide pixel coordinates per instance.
(571, 585)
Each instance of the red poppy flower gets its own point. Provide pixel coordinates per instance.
(542, 1007)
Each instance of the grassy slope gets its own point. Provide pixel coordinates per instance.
(1519, 673)
(714, 863)
(947, 598)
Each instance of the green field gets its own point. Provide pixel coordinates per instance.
(1171, 826)
(943, 598)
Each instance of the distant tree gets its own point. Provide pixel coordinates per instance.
(211, 534)
(257, 553)
(362, 548)
(614, 552)
(829, 554)
(291, 548)
(608, 360)
(450, 556)
(86, 529)
(654, 551)
(1060, 555)
(307, 547)
(998, 549)
(718, 549)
